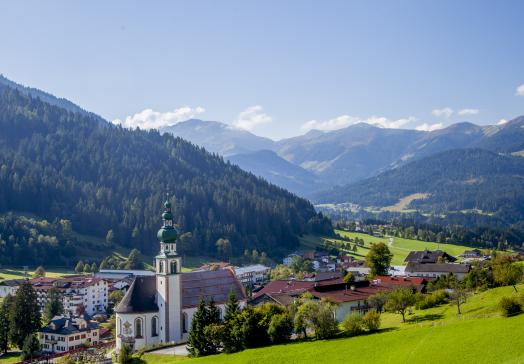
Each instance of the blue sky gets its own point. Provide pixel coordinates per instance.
(277, 68)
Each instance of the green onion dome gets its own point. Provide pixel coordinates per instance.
(167, 234)
(167, 216)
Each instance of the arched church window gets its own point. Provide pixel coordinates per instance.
(138, 328)
(154, 326)
(173, 267)
(161, 267)
(184, 322)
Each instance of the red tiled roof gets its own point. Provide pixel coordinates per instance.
(348, 295)
(405, 281)
(288, 286)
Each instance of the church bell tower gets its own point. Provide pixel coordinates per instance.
(168, 265)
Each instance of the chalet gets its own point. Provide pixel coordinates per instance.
(392, 282)
(65, 333)
(431, 270)
(428, 256)
(347, 298)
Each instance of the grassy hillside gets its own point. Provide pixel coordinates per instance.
(436, 335)
(400, 247)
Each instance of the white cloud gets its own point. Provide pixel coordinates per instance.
(468, 112)
(150, 119)
(252, 117)
(502, 122)
(520, 90)
(429, 127)
(347, 120)
(444, 112)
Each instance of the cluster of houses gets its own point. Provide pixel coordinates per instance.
(86, 297)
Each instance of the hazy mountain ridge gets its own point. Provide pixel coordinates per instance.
(347, 155)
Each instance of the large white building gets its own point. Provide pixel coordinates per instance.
(159, 309)
(252, 274)
(67, 333)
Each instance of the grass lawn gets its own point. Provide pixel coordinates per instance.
(400, 247)
(11, 357)
(436, 335)
(17, 273)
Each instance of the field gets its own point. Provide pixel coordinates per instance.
(436, 335)
(18, 273)
(400, 247)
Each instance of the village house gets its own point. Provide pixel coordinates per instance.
(159, 309)
(252, 275)
(346, 297)
(65, 333)
(428, 256)
(392, 282)
(289, 259)
(431, 270)
(9, 287)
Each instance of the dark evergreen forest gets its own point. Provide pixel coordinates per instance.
(59, 164)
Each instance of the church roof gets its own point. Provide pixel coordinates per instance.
(207, 284)
(141, 295)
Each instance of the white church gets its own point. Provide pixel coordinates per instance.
(158, 309)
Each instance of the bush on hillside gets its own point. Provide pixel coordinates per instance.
(280, 328)
(371, 321)
(510, 306)
(353, 324)
(431, 300)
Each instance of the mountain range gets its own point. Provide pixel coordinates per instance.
(318, 161)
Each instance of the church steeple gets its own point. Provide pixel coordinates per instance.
(167, 261)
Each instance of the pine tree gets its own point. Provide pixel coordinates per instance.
(94, 268)
(79, 267)
(197, 341)
(232, 338)
(4, 327)
(53, 306)
(232, 307)
(30, 347)
(24, 316)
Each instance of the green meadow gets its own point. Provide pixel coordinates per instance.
(436, 335)
(400, 247)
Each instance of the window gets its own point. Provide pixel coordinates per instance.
(154, 326)
(173, 267)
(138, 328)
(184, 322)
(161, 267)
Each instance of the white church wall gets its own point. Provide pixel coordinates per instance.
(126, 329)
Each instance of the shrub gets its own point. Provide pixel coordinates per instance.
(371, 321)
(353, 323)
(431, 300)
(280, 328)
(510, 306)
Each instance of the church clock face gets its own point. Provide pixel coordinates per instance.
(127, 328)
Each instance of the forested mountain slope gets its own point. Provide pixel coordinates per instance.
(472, 180)
(59, 164)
